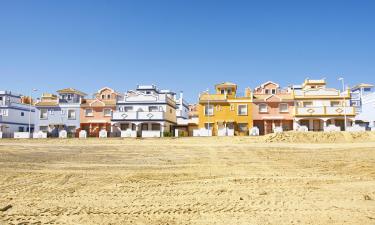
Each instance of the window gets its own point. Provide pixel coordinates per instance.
(307, 104)
(43, 128)
(51, 112)
(43, 114)
(335, 103)
(144, 126)
(89, 112)
(367, 89)
(155, 126)
(242, 110)
(62, 112)
(21, 129)
(209, 110)
(267, 91)
(128, 108)
(208, 126)
(124, 126)
(312, 86)
(107, 112)
(103, 96)
(218, 108)
(263, 108)
(273, 91)
(108, 96)
(153, 108)
(355, 104)
(283, 107)
(69, 97)
(231, 107)
(71, 114)
(1, 98)
(22, 114)
(148, 92)
(229, 91)
(222, 91)
(242, 127)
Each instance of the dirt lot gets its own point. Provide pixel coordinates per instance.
(240, 180)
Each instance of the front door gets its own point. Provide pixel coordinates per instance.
(317, 125)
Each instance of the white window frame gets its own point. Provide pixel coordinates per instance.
(273, 91)
(153, 107)
(238, 110)
(75, 115)
(46, 113)
(283, 104)
(89, 114)
(209, 111)
(110, 112)
(260, 108)
(304, 105)
(338, 105)
(126, 109)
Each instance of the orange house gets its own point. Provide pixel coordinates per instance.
(96, 113)
(272, 108)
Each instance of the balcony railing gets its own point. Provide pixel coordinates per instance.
(159, 115)
(325, 111)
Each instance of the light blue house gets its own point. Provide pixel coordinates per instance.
(15, 116)
(59, 112)
(363, 99)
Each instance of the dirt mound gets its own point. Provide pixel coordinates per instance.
(320, 137)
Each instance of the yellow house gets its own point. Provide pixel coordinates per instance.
(225, 113)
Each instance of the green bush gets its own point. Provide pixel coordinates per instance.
(167, 134)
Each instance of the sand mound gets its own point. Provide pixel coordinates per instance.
(320, 137)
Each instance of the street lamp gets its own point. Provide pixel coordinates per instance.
(208, 111)
(30, 102)
(344, 103)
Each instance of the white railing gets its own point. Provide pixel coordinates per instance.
(21, 135)
(128, 133)
(151, 133)
(150, 115)
(325, 110)
(138, 115)
(309, 111)
(340, 110)
(202, 133)
(225, 132)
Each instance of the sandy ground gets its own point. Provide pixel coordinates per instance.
(240, 180)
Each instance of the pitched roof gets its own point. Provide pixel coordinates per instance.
(363, 85)
(268, 82)
(226, 84)
(103, 103)
(54, 103)
(263, 97)
(71, 91)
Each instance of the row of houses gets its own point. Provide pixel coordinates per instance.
(151, 112)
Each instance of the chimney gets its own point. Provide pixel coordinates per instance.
(181, 96)
(247, 92)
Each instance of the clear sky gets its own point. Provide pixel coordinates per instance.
(183, 45)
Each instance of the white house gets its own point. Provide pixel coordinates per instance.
(15, 116)
(145, 112)
(318, 107)
(363, 99)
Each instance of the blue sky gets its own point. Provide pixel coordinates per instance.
(183, 45)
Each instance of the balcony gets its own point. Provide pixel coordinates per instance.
(324, 111)
(159, 115)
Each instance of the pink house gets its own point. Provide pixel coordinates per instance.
(272, 108)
